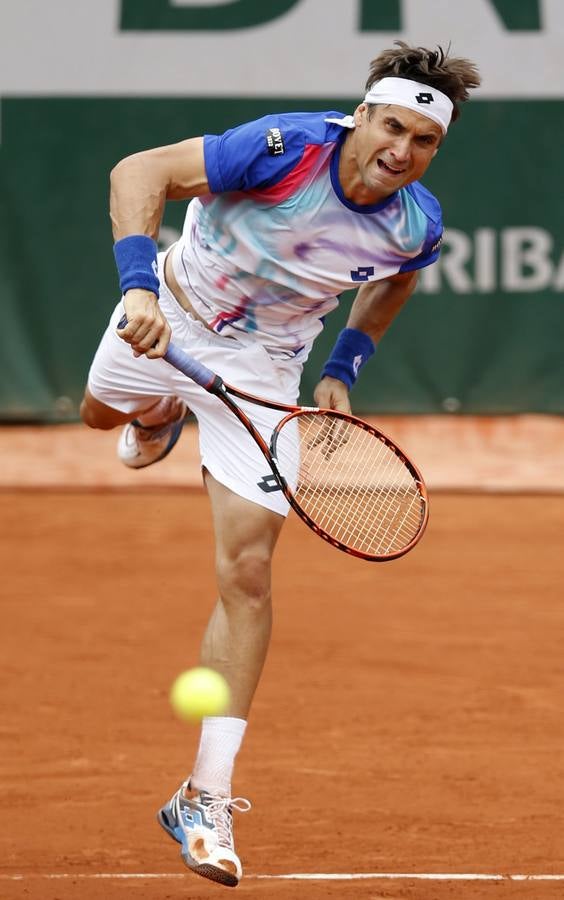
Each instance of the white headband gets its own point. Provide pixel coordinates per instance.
(423, 99)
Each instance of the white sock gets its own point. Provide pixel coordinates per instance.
(219, 744)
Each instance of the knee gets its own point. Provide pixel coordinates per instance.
(87, 414)
(89, 417)
(97, 415)
(244, 578)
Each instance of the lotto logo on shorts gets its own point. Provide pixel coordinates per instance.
(275, 142)
(268, 484)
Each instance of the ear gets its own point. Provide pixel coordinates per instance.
(359, 113)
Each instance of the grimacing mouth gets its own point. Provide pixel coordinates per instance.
(393, 170)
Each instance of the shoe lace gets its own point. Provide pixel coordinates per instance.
(219, 810)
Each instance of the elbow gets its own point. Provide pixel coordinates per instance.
(125, 169)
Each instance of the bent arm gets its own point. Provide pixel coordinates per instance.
(373, 310)
(141, 184)
(377, 304)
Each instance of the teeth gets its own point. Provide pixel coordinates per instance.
(395, 171)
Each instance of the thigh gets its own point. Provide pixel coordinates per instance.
(241, 526)
(228, 452)
(100, 415)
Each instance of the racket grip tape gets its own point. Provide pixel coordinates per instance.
(191, 367)
(187, 364)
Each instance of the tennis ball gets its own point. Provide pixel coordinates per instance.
(199, 692)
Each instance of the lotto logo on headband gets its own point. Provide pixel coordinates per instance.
(424, 98)
(413, 95)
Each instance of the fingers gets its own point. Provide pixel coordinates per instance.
(321, 434)
(337, 437)
(331, 393)
(152, 342)
(159, 347)
(332, 434)
(146, 328)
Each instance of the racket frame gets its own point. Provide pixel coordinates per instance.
(214, 384)
(222, 390)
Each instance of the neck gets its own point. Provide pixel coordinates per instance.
(352, 184)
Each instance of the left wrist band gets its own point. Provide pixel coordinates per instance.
(352, 349)
(136, 261)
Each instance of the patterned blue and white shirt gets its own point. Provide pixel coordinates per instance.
(276, 241)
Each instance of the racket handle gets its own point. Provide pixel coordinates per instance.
(192, 368)
(187, 365)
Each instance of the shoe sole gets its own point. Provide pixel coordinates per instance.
(212, 873)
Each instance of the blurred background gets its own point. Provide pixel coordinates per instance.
(484, 333)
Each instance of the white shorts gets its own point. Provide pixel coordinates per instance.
(123, 381)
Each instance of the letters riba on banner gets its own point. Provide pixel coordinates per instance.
(521, 259)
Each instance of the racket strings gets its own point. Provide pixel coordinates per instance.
(352, 484)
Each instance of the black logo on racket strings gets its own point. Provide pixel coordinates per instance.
(268, 484)
(424, 97)
(275, 142)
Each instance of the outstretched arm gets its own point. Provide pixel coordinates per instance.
(374, 308)
(140, 186)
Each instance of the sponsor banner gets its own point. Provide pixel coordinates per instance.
(279, 48)
(483, 333)
(521, 259)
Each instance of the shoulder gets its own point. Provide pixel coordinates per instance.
(427, 218)
(426, 201)
(316, 127)
(264, 150)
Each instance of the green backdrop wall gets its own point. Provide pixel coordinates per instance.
(483, 334)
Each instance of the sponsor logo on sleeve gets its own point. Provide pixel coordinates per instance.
(275, 142)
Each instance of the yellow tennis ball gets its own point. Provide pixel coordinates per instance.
(199, 692)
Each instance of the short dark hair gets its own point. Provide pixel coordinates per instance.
(452, 75)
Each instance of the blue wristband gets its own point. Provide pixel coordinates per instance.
(351, 351)
(136, 261)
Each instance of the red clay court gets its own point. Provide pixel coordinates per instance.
(409, 725)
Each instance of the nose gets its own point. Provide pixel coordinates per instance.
(401, 149)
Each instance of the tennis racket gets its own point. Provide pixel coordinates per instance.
(344, 478)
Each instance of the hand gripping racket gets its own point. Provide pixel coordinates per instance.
(344, 478)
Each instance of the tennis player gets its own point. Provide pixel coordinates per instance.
(286, 213)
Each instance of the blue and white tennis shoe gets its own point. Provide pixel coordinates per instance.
(203, 825)
(139, 446)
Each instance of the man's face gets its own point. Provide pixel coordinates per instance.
(393, 146)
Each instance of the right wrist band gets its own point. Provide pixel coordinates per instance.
(136, 261)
